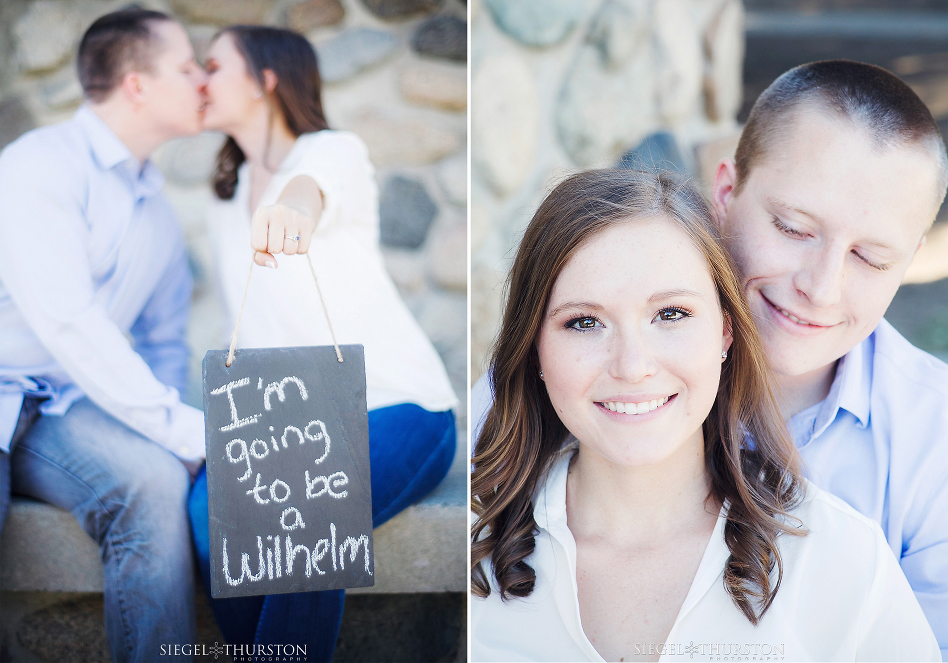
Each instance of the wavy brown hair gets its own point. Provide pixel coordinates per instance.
(296, 95)
(749, 457)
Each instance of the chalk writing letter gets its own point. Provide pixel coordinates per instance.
(243, 456)
(276, 553)
(273, 492)
(291, 553)
(338, 479)
(259, 455)
(256, 492)
(319, 553)
(235, 421)
(311, 485)
(230, 581)
(297, 522)
(245, 564)
(318, 436)
(353, 545)
(278, 388)
(299, 434)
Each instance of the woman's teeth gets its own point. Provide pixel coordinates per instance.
(635, 408)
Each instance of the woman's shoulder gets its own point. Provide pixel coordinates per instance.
(830, 514)
(841, 546)
(332, 142)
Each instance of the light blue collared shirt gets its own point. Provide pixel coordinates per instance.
(95, 286)
(879, 441)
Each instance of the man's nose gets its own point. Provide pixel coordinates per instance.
(821, 279)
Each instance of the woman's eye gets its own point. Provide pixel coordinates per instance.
(584, 323)
(672, 314)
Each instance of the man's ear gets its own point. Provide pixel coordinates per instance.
(722, 192)
(269, 80)
(133, 87)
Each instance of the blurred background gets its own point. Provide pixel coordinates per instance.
(395, 73)
(564, 85)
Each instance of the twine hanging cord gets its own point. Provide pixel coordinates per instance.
(233, 340)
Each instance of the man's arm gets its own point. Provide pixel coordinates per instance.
(44, 265)
(159, 332)
(925, 558)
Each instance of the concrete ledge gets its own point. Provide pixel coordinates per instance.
(422, 549)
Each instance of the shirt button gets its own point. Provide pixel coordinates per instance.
(183, 450)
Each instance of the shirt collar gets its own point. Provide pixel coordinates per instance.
(851, 388)
(110, 152)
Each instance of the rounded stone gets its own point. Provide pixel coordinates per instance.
(680, 70)
(536, 22)
(406, 212)
(45, 36)
(607, 99)
(401, 9)
(724, 48)
(437, 84)
(223, 12)
(353, 50)
(406, 268)
(311, 14)
(480, 226)
(452, 176)
(442, 37)
(447, 256)
(402, 141)
(505, 121)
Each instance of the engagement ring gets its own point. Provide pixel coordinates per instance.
(295, 238)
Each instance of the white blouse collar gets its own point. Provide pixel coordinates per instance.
(550, 514)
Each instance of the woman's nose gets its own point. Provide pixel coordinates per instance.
(632, 357)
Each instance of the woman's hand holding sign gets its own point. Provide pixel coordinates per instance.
(288, 225)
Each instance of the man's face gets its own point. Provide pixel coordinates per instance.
(823, 232)
(172, 95)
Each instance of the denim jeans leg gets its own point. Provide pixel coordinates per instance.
(130, 495)
(29, 411)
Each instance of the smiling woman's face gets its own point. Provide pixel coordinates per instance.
(630, 344)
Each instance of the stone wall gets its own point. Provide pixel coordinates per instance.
(395, 73)
(562, 85)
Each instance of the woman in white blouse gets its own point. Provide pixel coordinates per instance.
(287, 184)
(636, 493)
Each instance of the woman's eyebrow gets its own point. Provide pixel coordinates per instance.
(589, 306)
(668, 294)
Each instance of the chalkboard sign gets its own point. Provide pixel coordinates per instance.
(289, 492)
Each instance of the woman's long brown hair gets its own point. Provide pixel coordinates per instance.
(749, 457)
(296, 96)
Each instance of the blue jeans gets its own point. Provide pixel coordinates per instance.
(130, 495)
(410, 451)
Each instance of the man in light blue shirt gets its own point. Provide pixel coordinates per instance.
(838, 176)
(95, 291)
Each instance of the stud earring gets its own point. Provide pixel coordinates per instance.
(724, 355)
(258, 94)
(541, 373)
